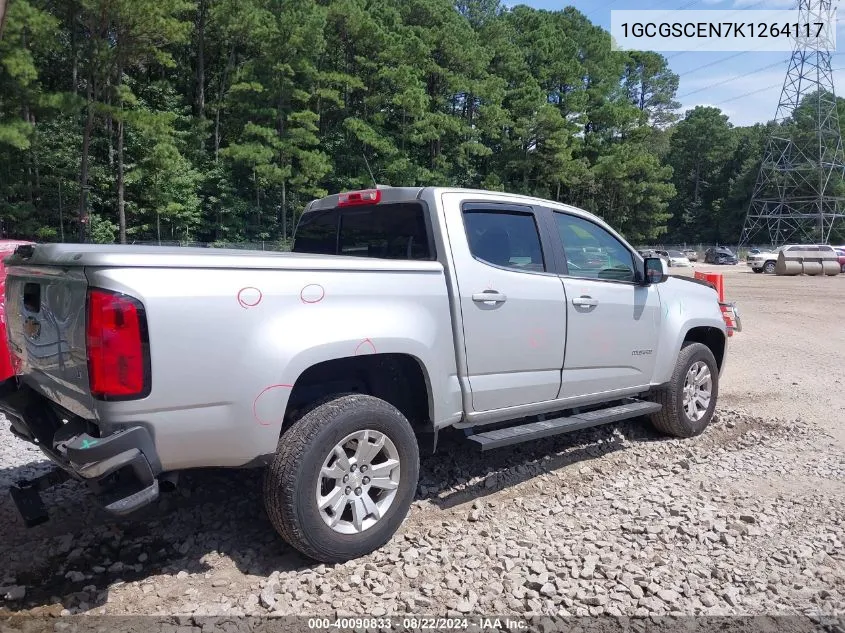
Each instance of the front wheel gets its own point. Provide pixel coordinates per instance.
(343, 478)
(769, 267)
(689, 399)
(757, 270)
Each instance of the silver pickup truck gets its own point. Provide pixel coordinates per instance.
(400, 312)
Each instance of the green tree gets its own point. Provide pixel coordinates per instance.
(29, 39)
(218, 120)
(651, 86)
(700, 143)
(633, 192)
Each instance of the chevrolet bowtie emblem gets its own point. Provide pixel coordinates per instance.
(32, 328)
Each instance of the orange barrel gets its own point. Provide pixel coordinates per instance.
(716, 280)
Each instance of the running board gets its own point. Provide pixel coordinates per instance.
(545, 428)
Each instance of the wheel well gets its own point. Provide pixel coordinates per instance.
(395, 378)
(711, 337)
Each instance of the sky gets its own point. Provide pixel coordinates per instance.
(744, 86)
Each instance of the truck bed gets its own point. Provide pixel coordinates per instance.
(227, 330)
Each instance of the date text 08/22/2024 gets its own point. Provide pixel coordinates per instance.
(416, 623)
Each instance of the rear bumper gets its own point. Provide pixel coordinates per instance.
(121, 468)
(730, 312)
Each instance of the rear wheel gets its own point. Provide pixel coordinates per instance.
(343, 478)
(769, 267)
(689, 399)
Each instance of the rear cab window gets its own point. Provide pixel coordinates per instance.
(396, 230)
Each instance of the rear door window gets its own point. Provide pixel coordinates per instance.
(509, 239)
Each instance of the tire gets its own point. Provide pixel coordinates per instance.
(757, 270)
(843, 268)
(769, 267)
(291, 481)
(673, 418)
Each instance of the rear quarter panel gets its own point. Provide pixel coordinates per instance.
(228, 345)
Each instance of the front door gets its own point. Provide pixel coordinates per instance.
(613, 323)
(512, 304)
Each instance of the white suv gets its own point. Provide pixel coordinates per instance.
(763, 261)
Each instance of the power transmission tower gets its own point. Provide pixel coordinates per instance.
(799, 194)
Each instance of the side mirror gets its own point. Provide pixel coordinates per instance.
(654, 271)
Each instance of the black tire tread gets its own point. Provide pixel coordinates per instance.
(271, 474)
(282, 475)
(668, 419)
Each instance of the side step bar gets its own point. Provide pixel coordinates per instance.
(545, 428)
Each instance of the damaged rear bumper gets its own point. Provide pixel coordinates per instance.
(121, 468)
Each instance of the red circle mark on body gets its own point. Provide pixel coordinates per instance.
(258, 397)
(249, 297)
(363, 346)
(312, 293)
(536, 337)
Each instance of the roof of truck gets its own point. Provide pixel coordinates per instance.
(388, 194)
(401, 194)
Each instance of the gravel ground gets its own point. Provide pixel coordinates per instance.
(748, 518)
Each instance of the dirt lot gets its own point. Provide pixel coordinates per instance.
(747, 518)
(789, 360)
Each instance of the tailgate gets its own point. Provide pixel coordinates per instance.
(45, 317)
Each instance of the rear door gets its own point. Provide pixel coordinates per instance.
(513, 308)
(613, 322)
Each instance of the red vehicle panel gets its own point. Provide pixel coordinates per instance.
(7, 370)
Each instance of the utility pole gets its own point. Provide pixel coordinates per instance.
(797, 195)
(84, 217)
(61, 213)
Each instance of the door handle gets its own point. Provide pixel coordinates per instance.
(585, 301)
(489, 296)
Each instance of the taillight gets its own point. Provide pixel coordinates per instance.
(728, 316)
(356, 198)
(118, 346)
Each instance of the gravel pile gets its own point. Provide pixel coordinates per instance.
(746, 519)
